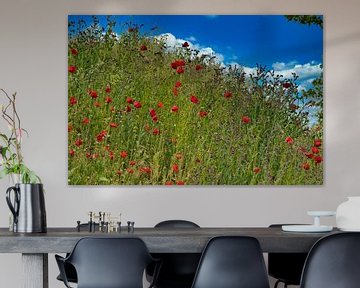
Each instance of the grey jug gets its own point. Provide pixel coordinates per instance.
(28, 208)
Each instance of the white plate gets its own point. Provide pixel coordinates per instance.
(321, 213)
(306, 228)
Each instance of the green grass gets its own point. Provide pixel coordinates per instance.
(219, 148)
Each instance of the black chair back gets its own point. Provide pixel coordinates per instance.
(178, 269)
(333, 262)
(108, 262)
(232, 262)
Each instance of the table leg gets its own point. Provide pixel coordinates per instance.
(35, 270)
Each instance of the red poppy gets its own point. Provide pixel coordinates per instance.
(78, 142)
(203, 114)
(123, 154)
(315, 150)
(286, 85)
(128, 109)
(107, 148)
(309, 155)
(72, 69)
(318, 159)
(113, 125)
(73, 100)
(130, 170)
(97, 104)
(129, 100)
(178, 84)
(118, 172)
(175, 91)
(132, 163)
(289, 140)
(194, 99)
(143, 48)
(257, 170)
(100, 137)
(72, 152)
(156, 131)
(70, 128)
(317, 142)
(108, 89)
(185, 44)
(74, 51)
(180, 182)
(198, 67)
(228, 94)
(111, 155)
(93, 94)
(180, 62)
(86, 120)
(137, 104)
(245, 119)
(177, 63)
(175, 168)
(306, 166)
(145, 170)
(108, 100)
(152, 112)
(180, 70)
(169, 183)
(160, 105)
(175, 108)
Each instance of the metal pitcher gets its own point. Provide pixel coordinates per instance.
(28, 208)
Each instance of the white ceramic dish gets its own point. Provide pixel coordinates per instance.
(306, 228)
(321, 213)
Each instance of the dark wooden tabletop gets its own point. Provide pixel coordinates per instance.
(158, 240)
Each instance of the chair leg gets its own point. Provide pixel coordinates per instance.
(277, 283)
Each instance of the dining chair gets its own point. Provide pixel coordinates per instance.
(108, 263)
(285, 267)
(69, 269)
(231, 262)
(333, 262)
(178, 269)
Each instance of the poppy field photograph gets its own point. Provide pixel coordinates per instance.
(195, 100)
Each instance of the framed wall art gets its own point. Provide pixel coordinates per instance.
(195, 100)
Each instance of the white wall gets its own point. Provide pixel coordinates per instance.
(33, 62)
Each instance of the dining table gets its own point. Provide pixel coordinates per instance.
(35, 247)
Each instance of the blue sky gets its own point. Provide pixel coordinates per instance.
(269, 40)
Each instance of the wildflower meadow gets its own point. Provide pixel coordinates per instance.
(141, 113)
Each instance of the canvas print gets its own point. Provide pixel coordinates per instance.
(195, 100)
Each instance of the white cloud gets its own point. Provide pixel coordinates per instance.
(282, 65)
(191, 38)
(304, 71)
(173, 43)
